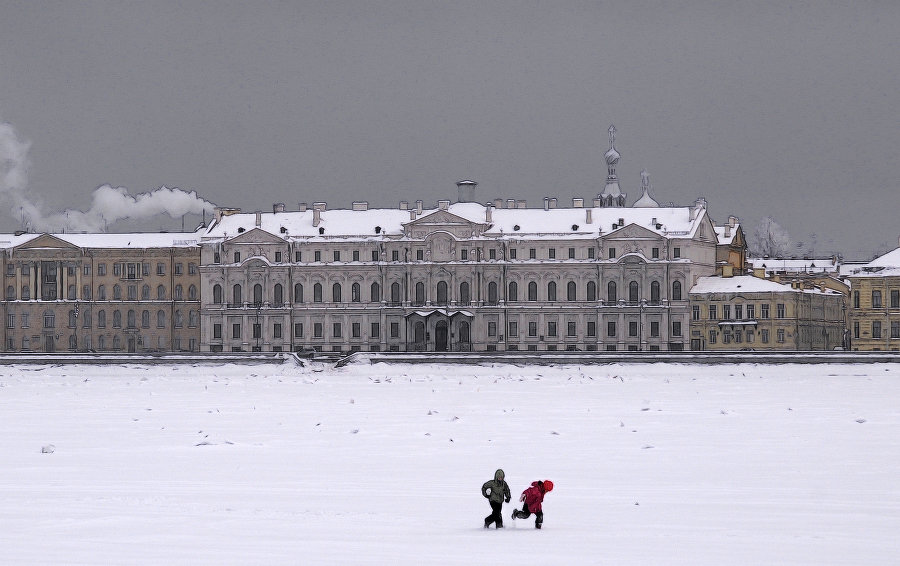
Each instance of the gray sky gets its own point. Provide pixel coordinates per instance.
(787, 109)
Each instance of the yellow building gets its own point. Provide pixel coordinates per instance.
(101, 292)
(749, 313)
(874, 313)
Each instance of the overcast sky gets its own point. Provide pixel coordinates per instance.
(787, 109)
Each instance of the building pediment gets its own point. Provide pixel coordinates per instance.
(255, 236)
(442, 221)
(633, 232)
(47, 241)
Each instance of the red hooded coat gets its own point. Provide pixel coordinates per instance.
(533, 496)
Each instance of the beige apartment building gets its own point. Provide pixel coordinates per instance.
(101, 292)
(874, 313)
(750, 313)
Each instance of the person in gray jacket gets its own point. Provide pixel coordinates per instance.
(496, 491)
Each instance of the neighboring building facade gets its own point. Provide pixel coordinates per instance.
(731, 253)
(101, 292)
(874, 313)
(745, 312)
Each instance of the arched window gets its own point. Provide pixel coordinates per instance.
(101, 342)
(117, 319)
(676, 291)
(71, 292)
(419, 335)
(192, 293)
(570, 291)
(49, 319)
(354, 293)
(336, 293)
(493, 299)
(131, 318)
(160, 319)
(532, 291)
(86, 292)
(551, 291)
(442, 292)
(101, 319)
(117, 342)
(257, 294)
(591, 291)
(464, 335)
(633, 292)
(178, 293)
(26, 292)
(86, 318)
(513, 293)
(160, 293)
(420, 293)
(217, 294)
(179, 319)
(375, 293)
(145, 319)
(278, 295)
(10, 293)
(464, 297)
(193, 319)
(237, 297)
(117, 292)
(654, 292)
(395, 293)
(145, 293)
(317, 293)
(73, 342)
(73, 319)
(611, 292)
(298, 293)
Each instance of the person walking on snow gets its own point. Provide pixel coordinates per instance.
(533, 497)
(495, 491)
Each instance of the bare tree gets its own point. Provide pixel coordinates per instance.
(770, 239)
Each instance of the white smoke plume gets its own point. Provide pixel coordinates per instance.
(108, 205)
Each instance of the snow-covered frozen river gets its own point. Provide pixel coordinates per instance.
(652, 464)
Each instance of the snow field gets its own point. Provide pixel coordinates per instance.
(653, 464)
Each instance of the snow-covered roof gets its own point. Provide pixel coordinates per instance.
(674, 222)
(720, 234)
(747, 284)
(133, 240)
(890, 259)
(814, 265)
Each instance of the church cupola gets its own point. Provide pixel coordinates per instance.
(612, 196)
(646, 201)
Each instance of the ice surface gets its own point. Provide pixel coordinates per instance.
(383, 464)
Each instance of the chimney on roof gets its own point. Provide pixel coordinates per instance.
(553, 202)
(598, 202)
(443, 204)
(360, 205)
(520, 203)
(466, 190)
(419, 207)
(732, 221)
(728, 230)
(258, 218)
(498, 203)
(577, 203)
(277, 207)
(404, 205)
(588, 216)
(302, 207)
(317, 216)
(487, 213)
(546, 203)
(510, 203)
(412, 214)
(320, 206)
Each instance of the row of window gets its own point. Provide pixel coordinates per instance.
(552, 330)
(49, 319)
(738, 336)
(876, 299)
(126, 270)
(442, 295)
(877, 329)
(131, 293)
(464, 255)
(739, 312)
(29, 343)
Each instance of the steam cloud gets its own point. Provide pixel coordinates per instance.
(108, 204)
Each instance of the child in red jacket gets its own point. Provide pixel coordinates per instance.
(533, 497)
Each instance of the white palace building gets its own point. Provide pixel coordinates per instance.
(461, 276)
